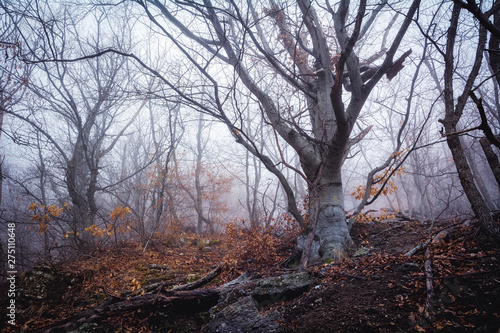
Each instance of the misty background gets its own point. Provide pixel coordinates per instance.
(100, 150)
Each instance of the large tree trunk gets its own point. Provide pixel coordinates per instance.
(331, 228)
(81, 185)
(326, 216)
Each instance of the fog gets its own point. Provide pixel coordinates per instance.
(193, 117)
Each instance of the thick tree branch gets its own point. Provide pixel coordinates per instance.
(483, 18)
(484, 121)
(388, 63)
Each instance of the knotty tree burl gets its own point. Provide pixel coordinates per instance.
(299, 60)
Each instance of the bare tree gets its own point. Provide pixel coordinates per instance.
(493, 57)
(75, 108)
(160, 192)
(14, 75)
(453, 112)
(313, 62)
(196, 195)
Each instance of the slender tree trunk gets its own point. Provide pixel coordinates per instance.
(2, 106)
(199, 196)
(494, 46)
(475, 198)
(481, 186)
(251, 190)
(452, 116)
(492, 158)
(197, 181)
(91, 191)
(80, 191)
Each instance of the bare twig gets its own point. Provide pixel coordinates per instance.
(420, 246)
(198, 283)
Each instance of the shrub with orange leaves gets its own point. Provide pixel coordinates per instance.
(43, 215)
(119, 213)
(100, 232)
(119, 223)
(254, 246)
(258, 246)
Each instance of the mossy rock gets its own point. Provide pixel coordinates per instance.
(214, 242)
(190, 241)
(206, 249)
(362, 251)
(192, 277)
(154, 276)
(207, 245)
(203, 242)
(272, 290)
(227, 298)
(46, 284)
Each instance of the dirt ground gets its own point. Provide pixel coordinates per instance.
(385, 291)
(376, 289)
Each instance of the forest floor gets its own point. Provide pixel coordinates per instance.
(376, 289)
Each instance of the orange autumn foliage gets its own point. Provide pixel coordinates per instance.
(250, 246)
(258, 245)
(378, 180)
(43, 215)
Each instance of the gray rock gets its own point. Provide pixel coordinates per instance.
(237, 312)
(272, 290)
(90, 328)
(243, 278)
(45, 284)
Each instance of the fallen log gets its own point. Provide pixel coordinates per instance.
(429, 284)
(180, 298)
(264, 291)
(420, 246)
(161, 285)
(198, 283)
